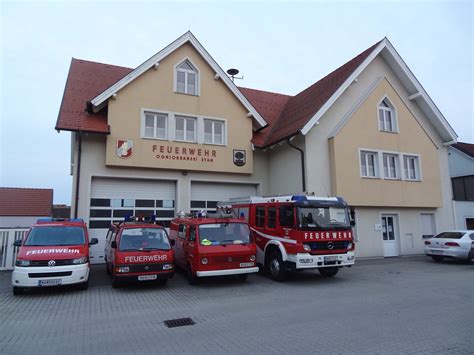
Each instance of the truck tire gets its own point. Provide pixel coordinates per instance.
(192, 278)
(437, 259)
(276, 267)
(18, 290)
(115, 282)
(328, 271)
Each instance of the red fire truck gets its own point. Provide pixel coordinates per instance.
(214, 245)
(298, 232)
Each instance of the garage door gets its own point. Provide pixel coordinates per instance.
(113, 199)
(205, 195)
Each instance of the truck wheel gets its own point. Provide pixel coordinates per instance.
(192, 279)
(276, 268)
(18, 290)
(243, 277)
(83, 285)
(328, 271)
(115, 282)
(162, 282)
(437, 259)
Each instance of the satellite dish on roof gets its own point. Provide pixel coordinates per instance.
(233, 72)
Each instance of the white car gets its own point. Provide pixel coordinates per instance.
(457, 244)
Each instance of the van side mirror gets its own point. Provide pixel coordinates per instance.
(113, 245)
(93, 241)
(17, 243)
(172, 242)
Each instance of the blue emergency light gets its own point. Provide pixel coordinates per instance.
(49, 220)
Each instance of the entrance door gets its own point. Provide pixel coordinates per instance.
(390, 235)
(470, 223)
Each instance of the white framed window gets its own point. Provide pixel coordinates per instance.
(186, 79)
(185, 129)
(155, 125)
(369, 166)
(390, 166)
(214, 132)
(387, 116)
(411, 167)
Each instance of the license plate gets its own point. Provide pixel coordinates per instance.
(147, 277)
(437, 251)
(54, 282)
(246, 264)
(330, 259)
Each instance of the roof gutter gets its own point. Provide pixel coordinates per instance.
(303, 179)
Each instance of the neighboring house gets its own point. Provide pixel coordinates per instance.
(175, 134)
(21, 207)
(61, 211)
(461, 170)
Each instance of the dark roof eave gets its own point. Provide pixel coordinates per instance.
(279, 140)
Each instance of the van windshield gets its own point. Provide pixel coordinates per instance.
(144, 239)
(224, 233)
(322, 217)
(55, 235)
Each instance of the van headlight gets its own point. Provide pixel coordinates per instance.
(349, 246)
(307, 247)
(123, 269)
(252, 257)
(20, 262)
(204, 261)
(167, 266)
(82, 260)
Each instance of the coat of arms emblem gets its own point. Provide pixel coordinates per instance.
(239, 157)
(124, 148)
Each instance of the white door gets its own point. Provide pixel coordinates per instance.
(114, 199)
(205, 195)
(390, 235)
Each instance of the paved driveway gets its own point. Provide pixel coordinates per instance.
(409, 305)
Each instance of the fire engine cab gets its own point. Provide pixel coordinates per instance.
(215, 245)
(298, 232)
(54, 252)
(138, 249)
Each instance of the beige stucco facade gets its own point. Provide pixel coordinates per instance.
(154, 92)
(361, 132)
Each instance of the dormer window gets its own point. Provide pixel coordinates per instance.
(186, 78)
(387, 116)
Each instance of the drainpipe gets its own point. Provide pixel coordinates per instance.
(78, 172)
(302, 162)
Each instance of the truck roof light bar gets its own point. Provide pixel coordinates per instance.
(49, 220)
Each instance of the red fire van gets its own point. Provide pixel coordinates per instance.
(138, 250)
(54, 252)
(213, 246)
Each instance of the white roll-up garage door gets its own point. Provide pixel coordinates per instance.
(205, 195)
(113, 199)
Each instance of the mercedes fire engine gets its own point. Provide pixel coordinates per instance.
(298, 232)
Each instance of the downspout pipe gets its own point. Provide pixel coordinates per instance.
(302, 162)
(78, 172)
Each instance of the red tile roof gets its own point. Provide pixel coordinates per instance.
(299, 109)
(85, 81)
(25, 202)
(286, 115)
(466, 148)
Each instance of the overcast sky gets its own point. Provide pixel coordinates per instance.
(277, 46)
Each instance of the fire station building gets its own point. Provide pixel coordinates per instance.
(176, 134)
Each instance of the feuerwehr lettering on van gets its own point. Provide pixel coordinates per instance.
(143, 258)
(52, 251)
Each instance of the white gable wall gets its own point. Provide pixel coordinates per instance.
(460, 164)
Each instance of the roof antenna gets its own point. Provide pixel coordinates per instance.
(233, 72)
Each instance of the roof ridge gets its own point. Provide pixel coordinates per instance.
(269, 92)
(101, 63)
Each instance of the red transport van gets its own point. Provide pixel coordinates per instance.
(54, 252)
(215, 245)
(138, 249)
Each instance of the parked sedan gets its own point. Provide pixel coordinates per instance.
(451, 244)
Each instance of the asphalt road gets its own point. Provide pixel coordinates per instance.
(392, 306)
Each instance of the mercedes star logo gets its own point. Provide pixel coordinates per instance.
(147, 267)
(51, 263)
(330, 246)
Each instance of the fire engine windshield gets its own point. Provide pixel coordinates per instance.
(144, 239)
(322, 217)
(55, 235)
(224, 233)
